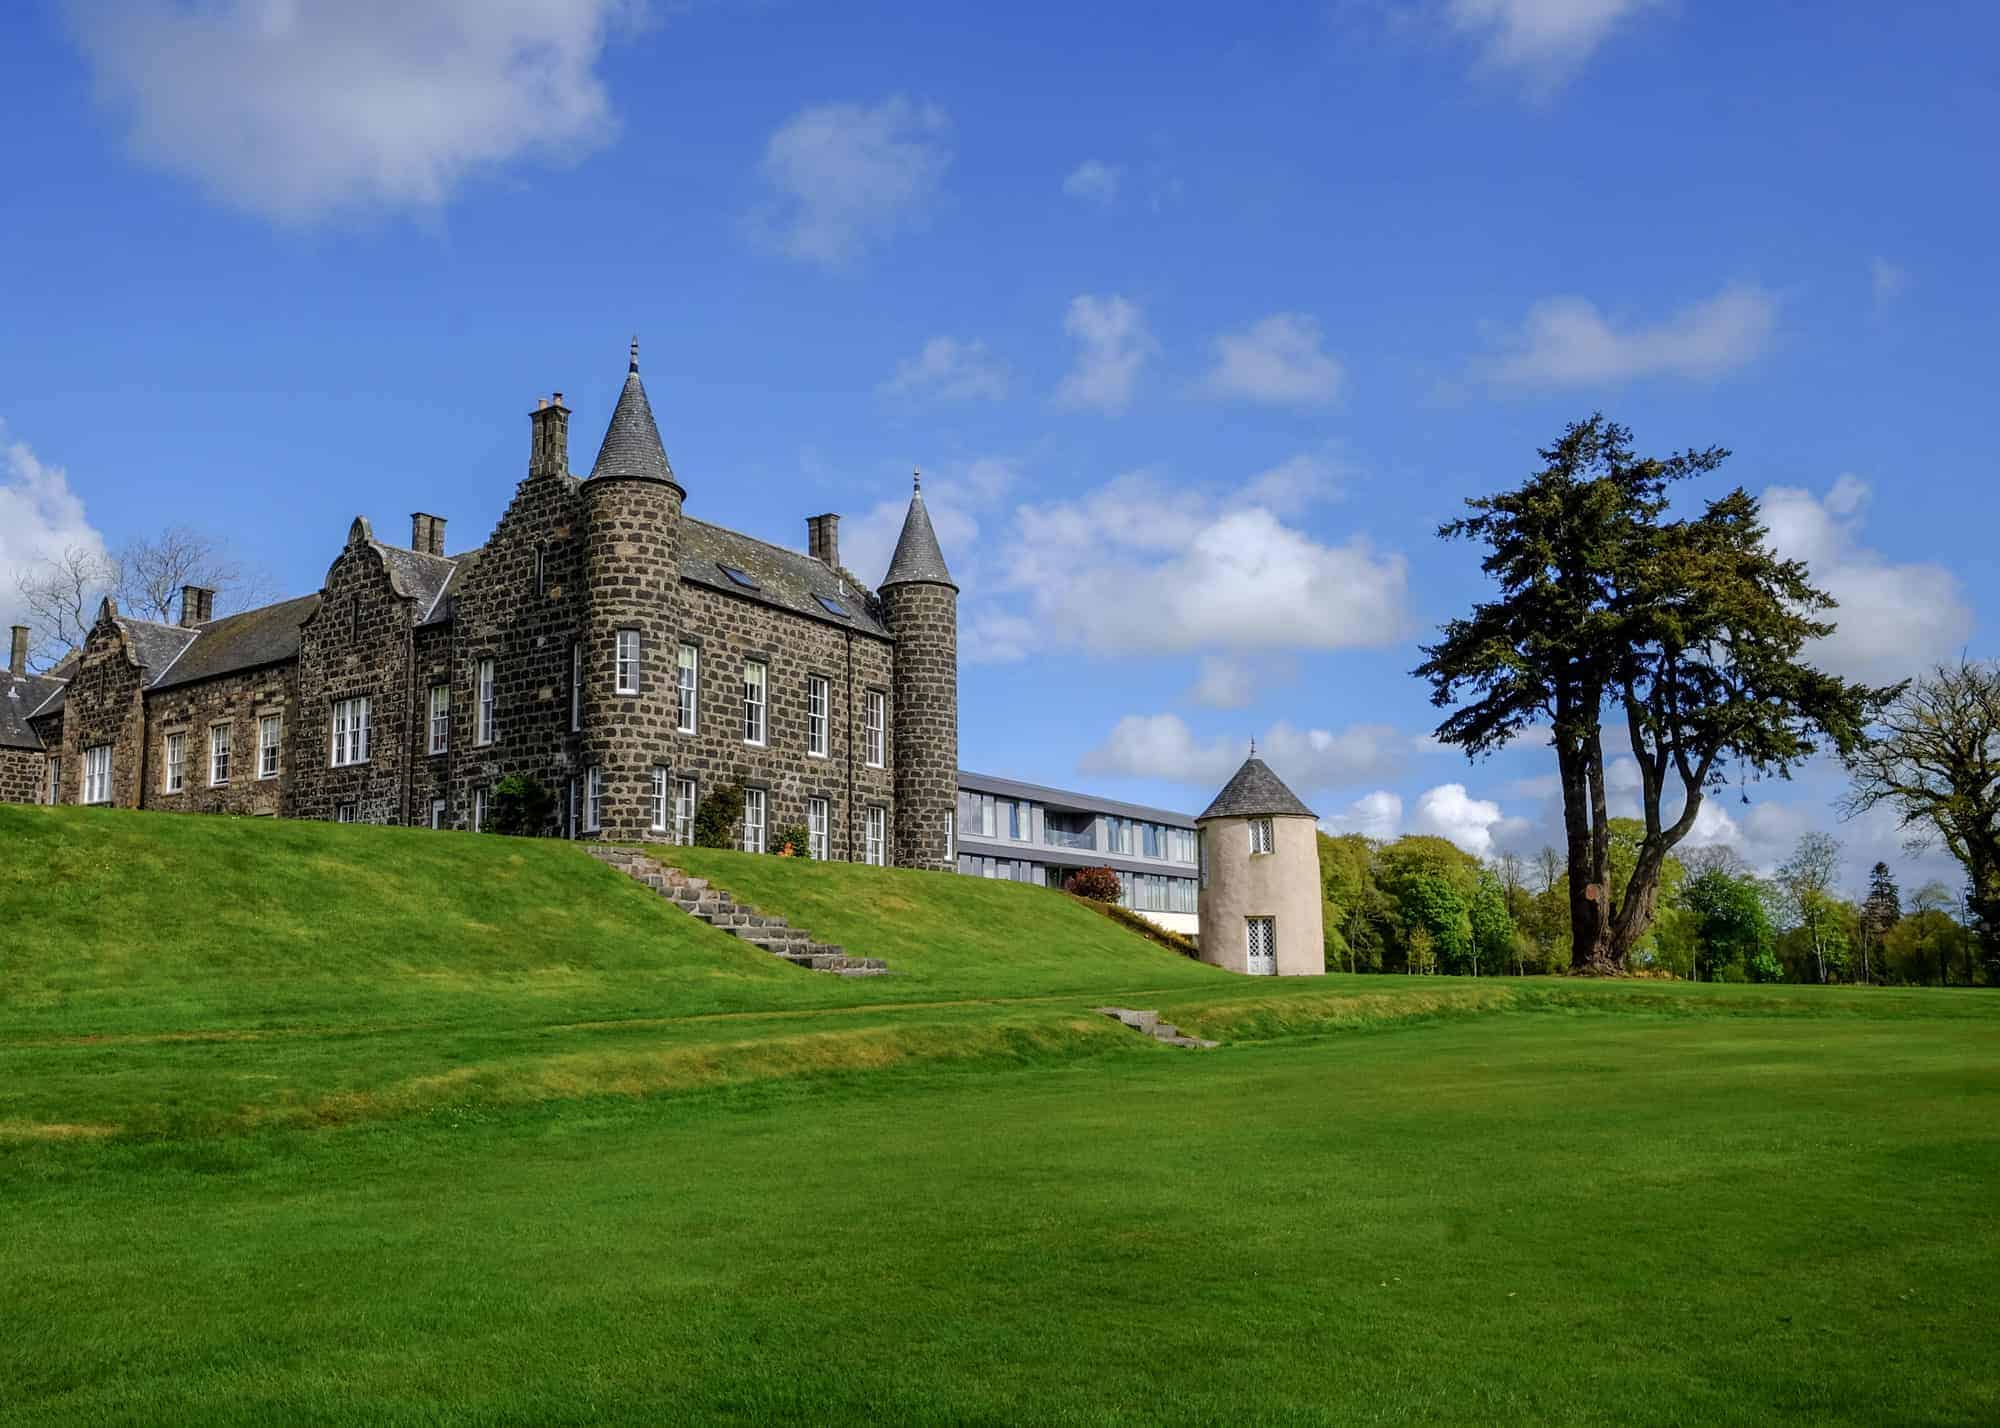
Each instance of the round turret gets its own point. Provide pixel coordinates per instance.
(1260, 894)
(920, 607)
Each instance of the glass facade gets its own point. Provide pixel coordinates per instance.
(1033, 823)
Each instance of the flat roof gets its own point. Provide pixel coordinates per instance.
(1069, 798)
(1074, 858)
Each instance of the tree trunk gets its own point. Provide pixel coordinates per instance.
(1580, 761)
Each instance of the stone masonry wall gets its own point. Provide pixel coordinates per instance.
(102, 705)
(241, 701)
(22, 772)
(924, 618)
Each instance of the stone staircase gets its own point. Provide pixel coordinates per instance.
(719, 910)
(1149, 1023)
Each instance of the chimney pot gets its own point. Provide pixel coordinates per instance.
(17, 658)
(197, 605)
(823, 539)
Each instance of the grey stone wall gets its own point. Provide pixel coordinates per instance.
(924, 619)
(238, 700)
(102, 704)
(21, 774)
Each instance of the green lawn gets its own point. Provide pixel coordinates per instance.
(525, 1146)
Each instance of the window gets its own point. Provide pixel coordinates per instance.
(218, 755)
(737, 576)
(626, 660)
(541, 569)
(176, 762)
(684, 810)
(950, 838)
(345, 813)
(575, 685)
(1201, 854)
(440, 718)
(350, 732)
(754, 679)
(593, 800)
(832, 607)
(659, 800)
(437, 812)
(816, 696)
(55, 782)
(570, 826)
(753, 820)
(816, 825)
(878, 837)
(1260, 835)
(1262, 942)
(483, 732)
(270, 740)
(479, 809)
(871, 728)
(689, 670)
(97, 774)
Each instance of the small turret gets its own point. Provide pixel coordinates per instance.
(920, 607)
(1260, 889)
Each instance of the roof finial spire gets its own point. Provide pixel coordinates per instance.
(917, 480)
(1253, 746)
(635, 354)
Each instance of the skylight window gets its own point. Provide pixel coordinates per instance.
(832, 607)
(740, 577)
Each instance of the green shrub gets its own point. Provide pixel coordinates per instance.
(793, 840)
(1096, 884)
(521, 807)
(717, 816)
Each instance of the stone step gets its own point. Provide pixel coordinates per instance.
(1165, 1032)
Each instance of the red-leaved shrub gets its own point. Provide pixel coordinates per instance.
(1097, 884)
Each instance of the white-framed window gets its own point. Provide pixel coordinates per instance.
(626, 662)
(575, 685)
(1261, 941)
(816, 704)
(350, 732)
(570, 827)
(97, 774)
(270, 744)
(877, 850)
(483, 730)
(1260, 835)
(754, 802)
(176, 762)
(660, 810)
(684, 810)
(55, 781)
(817, 819)
(875, 707)
(345, 813)
(593, 800)
(218, 755)
(437, 812)
(687, 674)
(755, 679)
(950, 838)
(479, 809)
(440, 718)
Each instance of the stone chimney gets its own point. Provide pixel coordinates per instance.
(197, 606)
(548, 451)
(17, 658)
(426, 533)
(823, 539)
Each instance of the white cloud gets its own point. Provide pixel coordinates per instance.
(1888, 280)
(1094, 181)
(1567, 342)
(1894, 619)
(1448, 811)
(1377, 815)
(1114, 344)
(299, 110)
(951, 371)
(1237, 681)
(1139, 566)
(1162, 746)
(1294, 484)
(1277, 361)
(1544, 39)
(958, 498)
(40, 519)
(848, 175)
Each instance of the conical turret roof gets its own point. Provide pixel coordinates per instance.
(1256, 792)
(632, 440)
(917, 556)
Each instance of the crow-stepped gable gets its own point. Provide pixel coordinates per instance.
(629, 656)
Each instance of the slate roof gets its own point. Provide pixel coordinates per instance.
(1256, 792)
(917, 555)
(632, 439)
(416, 575)
(461, 566)
(788, 579)
(154, 646)
(20, 696)
(247, 640)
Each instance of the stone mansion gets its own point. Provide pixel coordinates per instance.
(626, 654)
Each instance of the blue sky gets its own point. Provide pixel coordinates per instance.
(1197, 319)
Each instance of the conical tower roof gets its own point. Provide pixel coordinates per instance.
(917, 557)
(632, 440)
(1256, 792)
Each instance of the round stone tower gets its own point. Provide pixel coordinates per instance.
(623, 681)
(1260, 890)
(920, 607)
